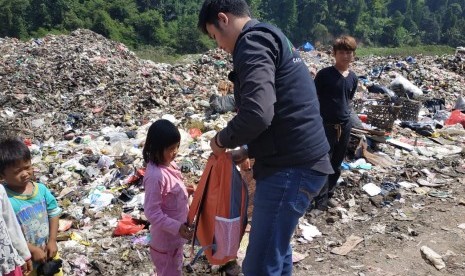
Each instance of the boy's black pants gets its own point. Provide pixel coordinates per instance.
(338, 136)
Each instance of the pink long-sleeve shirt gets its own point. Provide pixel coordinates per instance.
(166, 205)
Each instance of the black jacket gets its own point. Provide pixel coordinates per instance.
(278, 109)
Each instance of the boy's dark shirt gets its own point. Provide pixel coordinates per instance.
(335, 93)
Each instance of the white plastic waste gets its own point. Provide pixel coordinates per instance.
(371, 189)
(402, 85)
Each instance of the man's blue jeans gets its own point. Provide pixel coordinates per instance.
(280, 200)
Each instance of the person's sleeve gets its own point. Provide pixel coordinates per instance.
(53, 209)
(354, 89)
(319, 83)
(12, 225)
(154, 188)
(255, 68)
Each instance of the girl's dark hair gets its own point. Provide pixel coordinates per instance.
(12, 150)
(160, 136)
(210, 9)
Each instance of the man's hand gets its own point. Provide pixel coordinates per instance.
(216, 146)
(245, 165)
(38, 255)
(51, 249)
(239, 156)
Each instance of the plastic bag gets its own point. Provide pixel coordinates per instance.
(425, 129)
(435, 105)
(375, 88)
(195, 132)
(460, 104)
(127, 226)
(403, 86)
(222, 104)
(456, 117)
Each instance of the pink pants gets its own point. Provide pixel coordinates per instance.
(16, 272)
(167, 263)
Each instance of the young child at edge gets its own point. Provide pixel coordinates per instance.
(166, 198)
(15, 257)
(35, 207)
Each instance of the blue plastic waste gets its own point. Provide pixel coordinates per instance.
(308, 47)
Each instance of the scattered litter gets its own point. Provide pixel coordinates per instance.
(371, 189)
(348, 246)
(84, 103)
(309, 231)
(432, 257)
(297, 257)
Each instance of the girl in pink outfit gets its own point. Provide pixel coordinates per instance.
(166, 204)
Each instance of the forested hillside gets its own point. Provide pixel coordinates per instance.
(172, 23)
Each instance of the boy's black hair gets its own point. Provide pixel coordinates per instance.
(160, 136)
(345, 43)
(12, 150)
(210, 9)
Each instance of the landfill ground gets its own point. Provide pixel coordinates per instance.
(83, 104)
(392, 236)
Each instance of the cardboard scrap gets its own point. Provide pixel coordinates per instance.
(383, 161)
(350, 244)
(426, 183)
(297, 257)
(400, 144)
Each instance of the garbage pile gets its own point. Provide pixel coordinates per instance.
(84, 103)
(61, 83)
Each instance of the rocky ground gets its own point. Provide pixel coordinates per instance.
(83, 104)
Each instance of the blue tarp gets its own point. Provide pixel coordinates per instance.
(307, 47)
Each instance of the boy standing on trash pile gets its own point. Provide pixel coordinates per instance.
(336, 86)
(278, 118)
(35, 207)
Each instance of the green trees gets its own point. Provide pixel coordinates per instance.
(173, 23)
(13, 17)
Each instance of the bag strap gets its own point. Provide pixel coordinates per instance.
(198, 198)
(200, 192)
(200, 252)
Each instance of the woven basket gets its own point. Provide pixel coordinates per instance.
(357, 105)
(410, 109)
(382, 116)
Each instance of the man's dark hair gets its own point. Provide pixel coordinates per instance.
(160, 136)
(210, 9)
(12, 150)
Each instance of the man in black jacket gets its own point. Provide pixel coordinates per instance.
(278, 118)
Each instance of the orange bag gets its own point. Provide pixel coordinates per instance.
(127, 226)
(219, 210)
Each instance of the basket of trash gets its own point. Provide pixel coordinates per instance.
(382, 116)
(410, 109)
(357, 105)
